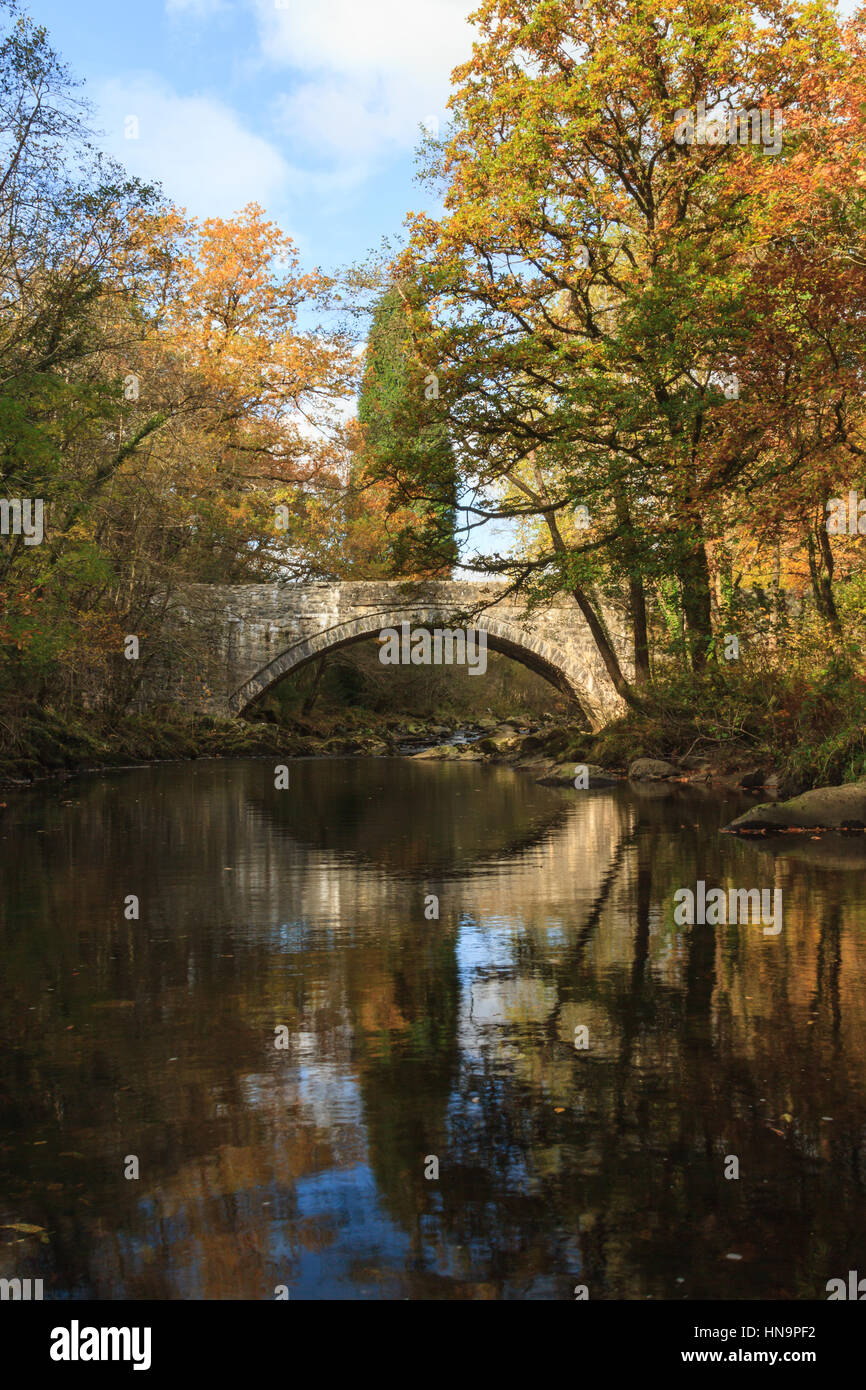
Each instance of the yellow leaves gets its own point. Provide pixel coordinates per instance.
(222, 353)
(231, 290)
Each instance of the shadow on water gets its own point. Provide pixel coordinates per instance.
(415, 1041)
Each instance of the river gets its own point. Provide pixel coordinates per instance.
(286, 1076)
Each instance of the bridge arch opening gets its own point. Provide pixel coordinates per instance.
(537, 655)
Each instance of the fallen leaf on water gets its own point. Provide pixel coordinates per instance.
(24, 1227)
(559, 1110)
(786, 1118)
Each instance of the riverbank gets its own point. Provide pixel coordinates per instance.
(558, 755)
(685, 748)
(45, 744)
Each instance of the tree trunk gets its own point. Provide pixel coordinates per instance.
(827, 577)
(621, 685)
(312, 695)
(777, 598)
(822, 584)
(636, 595)
(694, 574)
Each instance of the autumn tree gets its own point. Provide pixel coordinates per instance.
(588, 298)
(158, 395)
(64, 218)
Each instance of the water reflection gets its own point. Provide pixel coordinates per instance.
(411, 1038)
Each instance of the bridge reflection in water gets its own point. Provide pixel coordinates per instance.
(411, 1038)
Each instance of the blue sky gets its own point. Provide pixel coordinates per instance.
(310, 107)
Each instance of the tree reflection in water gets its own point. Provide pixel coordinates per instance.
(411, 1038)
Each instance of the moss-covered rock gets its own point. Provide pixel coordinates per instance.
(823, 808)
(563, 775)
(650, 770)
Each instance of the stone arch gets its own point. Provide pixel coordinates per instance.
(542, 657)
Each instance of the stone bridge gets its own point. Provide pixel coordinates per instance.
(228, 644)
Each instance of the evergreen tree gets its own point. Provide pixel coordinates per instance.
(405, 445)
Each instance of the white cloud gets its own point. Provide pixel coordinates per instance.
(365, 75)
(343, 120)
(195, 146)
(420, 41)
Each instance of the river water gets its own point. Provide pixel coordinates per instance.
(287, 1044)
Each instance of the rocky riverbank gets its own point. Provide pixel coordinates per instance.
(558, 755)
(44, 744)
(550, 749)
(555, 756)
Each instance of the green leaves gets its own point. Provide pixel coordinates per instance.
(405, 442)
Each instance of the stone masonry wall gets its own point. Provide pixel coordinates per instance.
(228, 643)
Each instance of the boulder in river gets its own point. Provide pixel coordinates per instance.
(754, 781)
(823, 808)
(650, 770)
(504, 740)
(452, 752)
(563, 775)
